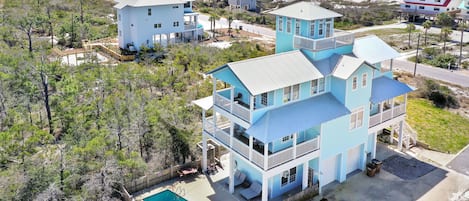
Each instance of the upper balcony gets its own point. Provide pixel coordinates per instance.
(265, 157)
(340, 38)
(235, 105)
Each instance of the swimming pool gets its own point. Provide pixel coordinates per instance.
(165, 195)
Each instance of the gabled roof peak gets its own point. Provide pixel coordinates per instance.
(305, 11)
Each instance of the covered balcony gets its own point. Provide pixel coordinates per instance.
(265, 155)
(340, 38)
(388, 100)
(238, 105)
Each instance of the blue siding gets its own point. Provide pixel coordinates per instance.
(339, 87)
(315, 165)
(284, 40)
(251, 173)
(305, 90)
(278, 145)
(278, 189)
(361, 96)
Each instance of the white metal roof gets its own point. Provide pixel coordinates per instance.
(305, 11)
(142, 3)
(264, 74)
(346, 66)
(205, 103)
(373, 50)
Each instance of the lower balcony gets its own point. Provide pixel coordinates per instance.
(257, 153)
(389, 111)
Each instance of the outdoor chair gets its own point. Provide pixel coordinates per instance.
(253, 191)
(239, 178)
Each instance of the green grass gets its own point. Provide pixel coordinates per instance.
(442, 130)
(384, 32)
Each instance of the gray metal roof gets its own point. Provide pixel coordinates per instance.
(142, 3)
(264, 74)
(205, 103)
(373, 50)
(305, 11)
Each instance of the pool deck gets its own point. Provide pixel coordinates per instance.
(198, 187)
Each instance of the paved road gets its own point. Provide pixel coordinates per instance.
(460, 77)
(461, 162)
(223, 23)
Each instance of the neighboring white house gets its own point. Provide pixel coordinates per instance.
(429, 7)
(243, 4)
(149, 22)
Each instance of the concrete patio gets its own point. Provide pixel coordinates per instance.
(438, 184)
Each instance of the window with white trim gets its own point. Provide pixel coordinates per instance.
(288, 25)
(264, 99)
(156, 26)
(356, 119)
(328, 29)
(149, 12)
(354, 83)
(288, 176)
(280, 23)
(288, 95)
(317, 86)
(285, 139)
(364, 79)
(297, 27)
(321, 26)
(311, 28)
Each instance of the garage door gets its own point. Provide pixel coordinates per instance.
(353, 159)
(329, 170)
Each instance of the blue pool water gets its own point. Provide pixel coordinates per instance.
(166, 195)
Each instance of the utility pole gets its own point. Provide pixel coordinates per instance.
(417, 55)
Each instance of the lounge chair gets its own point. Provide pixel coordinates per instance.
(253, 191)
(239, 178)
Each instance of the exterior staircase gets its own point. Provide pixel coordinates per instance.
(409, 135)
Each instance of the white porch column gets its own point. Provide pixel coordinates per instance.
(265, 187)
(231, 172)
(305, 175)
(373, 152)
(232, 98)
(204, 152)
(266, 156)
(392, 108)
(215, 126)
(399, 143)
(381, 106)
(294, 145)
(231, 132)
(251, 107)
(391, 65)
(391, 139)
(251, 142)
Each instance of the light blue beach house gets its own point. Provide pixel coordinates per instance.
(309, 113)
(149, 22)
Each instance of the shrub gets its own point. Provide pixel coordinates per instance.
(443, 60)
(441, 96)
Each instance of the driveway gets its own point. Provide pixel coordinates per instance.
(461, 162)
(439, 184)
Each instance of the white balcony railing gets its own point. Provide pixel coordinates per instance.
(241, 148)
(306, 147)
(223, 136)
(237, 109)
(340, 39)
(388, 114)
(280, 157)
(258, 159)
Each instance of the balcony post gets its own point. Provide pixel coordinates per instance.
(251, 139)
(231, 98)
(390, 65)
(305, 176)
(266, 155)
(265, 188)
(251, 107)
(204, 152)
(392, 108)
(294, 145)
(381, 106)
(399, 143)
(215, 127)
(335, 42)
(231, 133)
(231, 172)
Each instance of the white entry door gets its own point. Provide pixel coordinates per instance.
(353, 159)
(329, 170)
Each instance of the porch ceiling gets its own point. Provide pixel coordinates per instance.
(296, 117)
(384, 88)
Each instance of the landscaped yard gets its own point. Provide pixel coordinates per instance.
(442, 130)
